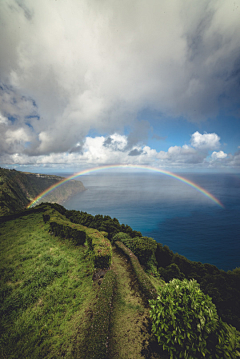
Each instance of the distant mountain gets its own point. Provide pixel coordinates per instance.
(17, 189)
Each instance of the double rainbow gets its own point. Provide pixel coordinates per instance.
(100, 168)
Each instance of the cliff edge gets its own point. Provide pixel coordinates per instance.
(17, 189)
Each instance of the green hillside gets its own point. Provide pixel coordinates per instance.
(67, 291)
(17, 189)
(73, 285)
(49, 299)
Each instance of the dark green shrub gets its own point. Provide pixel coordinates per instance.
(143, 247)
(46, 218)
(77, 236)
(163, 255)
(120, 236)
(170, 272)
(186, 323)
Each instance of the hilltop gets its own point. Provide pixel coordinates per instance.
(17, 189)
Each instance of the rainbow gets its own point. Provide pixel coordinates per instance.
(100, 168)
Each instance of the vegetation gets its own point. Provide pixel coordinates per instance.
(46, 291)
(52, 306)
(17, 189)
(143, 247)
(101, 223)
(222, 287)
(97, 342)
(147, 288)
(186, 323)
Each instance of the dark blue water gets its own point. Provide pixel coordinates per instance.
(171, 212)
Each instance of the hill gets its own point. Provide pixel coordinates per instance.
(74, 285)
(17, 189)
(54, 303)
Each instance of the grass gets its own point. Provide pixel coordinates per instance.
(49, 302)
(46, 291)
(130, 334)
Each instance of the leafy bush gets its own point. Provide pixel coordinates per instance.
(101, 247)
(186, 323)
(143, 247)
(222, 287)
(121, 236)
(170, 272)
(77, 236)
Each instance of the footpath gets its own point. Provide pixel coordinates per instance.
(130, 330)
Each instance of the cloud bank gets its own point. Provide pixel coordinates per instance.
(73, 68)
(115, 149)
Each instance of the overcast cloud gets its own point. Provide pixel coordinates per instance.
(72, 68)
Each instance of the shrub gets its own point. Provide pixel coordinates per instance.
(101, 247)
(77, 236)
(143, 247)
(184, 319)
(170, 272)
(46, 218)
(120, 236)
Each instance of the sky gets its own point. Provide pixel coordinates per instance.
(145, 82)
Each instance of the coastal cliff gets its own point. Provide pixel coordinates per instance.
(17, 189)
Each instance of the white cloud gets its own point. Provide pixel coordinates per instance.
(218, 155)
(115, 149)
(207, 141)
(3, 120)
(96, 64)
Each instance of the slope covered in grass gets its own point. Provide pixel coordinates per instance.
(46, 291)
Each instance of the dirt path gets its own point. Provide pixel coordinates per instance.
(129, 328)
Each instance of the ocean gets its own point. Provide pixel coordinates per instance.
(170, 211)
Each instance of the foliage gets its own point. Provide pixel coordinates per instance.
(101, 223)
(120, 236)
(101, 248)
(98, 336)
(143, 247)
(145, 285)
(64, 230)
(170, 272)
(222, 287)
(186, 323)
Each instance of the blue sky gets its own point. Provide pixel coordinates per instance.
(94, 83)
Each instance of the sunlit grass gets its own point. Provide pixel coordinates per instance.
(46, 286)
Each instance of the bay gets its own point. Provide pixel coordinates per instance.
(170, 211)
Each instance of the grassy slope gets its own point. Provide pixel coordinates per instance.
(48, 297)
(46, 284)
(129, 335)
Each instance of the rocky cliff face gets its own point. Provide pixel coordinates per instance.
(17, 189)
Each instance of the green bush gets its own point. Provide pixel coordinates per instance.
(101, 247)
(120, 236)
(77, 236)
(170, 272)
(143, 247)
(186, 323)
